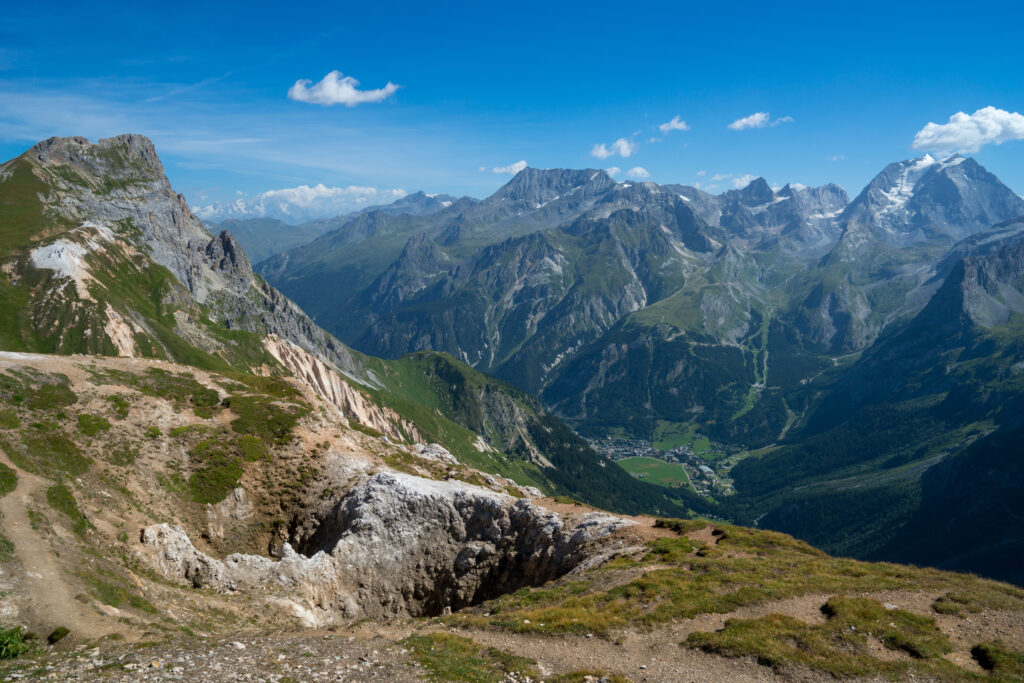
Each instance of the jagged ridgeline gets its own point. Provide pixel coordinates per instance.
(100, 256)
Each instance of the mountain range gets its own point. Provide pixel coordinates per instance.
(196, 479)
(772, 320)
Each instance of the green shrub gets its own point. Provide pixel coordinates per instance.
(60, 498)
(45, 449)
(262, 417)
(153, 432)
(120, 404)
(50, 397)
(12, 643)
(57, 635)
(9, 419)
(91, 425)
(219, 470)
(6, 549)
(252, 448)
(8, 479)
(123, 454)
(1004, 662)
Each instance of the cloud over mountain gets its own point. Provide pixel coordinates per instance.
(511, 169)
(969, 133)
(623, 147)
(302, 203)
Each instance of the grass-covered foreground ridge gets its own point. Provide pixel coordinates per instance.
(848, 626)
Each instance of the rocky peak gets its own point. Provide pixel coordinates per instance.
(926, 198)
(108, 155)
(758, 191)
(544, 185)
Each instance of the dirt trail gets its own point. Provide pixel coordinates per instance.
(643, 657)
(50, 602)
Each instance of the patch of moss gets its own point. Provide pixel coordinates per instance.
(6, 549)
(9, 419)
(123, 454)
(1004, 662)
(112, 589)
(36, 390)
(61, 499)
(681, 526)
(218, 473)
(8, 479)
(842, 645)
(51, 397)
(265, 418)
(252, 448)
(586, 676)
(91, 425)
(45, 449)
(120, 405)
(455, 658)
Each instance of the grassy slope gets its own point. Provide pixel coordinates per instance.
(678, 578)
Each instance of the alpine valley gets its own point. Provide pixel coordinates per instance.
(421, 478)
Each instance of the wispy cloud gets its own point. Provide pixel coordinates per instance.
(675, 124)
(624, 147)
(761, 119)
(739, 182)
(511, 169)
(336, 88)
(186, 88)
(638, 172)
(969, 133)
(613, 171)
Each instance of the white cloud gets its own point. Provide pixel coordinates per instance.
(511, 169)
(739, 182)
(302, 203)
(613, 171)
(623, 147)
(335, 88)
(638, 172)
(702, 173)
(761, 119)
(968, 133)
(675, 124)
(720, 176)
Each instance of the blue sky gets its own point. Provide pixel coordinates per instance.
(485, 85)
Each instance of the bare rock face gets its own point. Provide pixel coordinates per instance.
(434, 453)
(399, 544)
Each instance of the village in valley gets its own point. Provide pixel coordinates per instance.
(699, 463)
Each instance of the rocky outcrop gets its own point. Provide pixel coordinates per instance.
(119, 183)
(398, 544)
